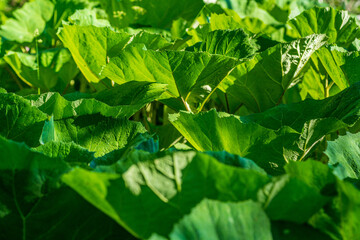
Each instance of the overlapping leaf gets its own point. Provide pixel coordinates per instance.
(260, 83)
(91, 46)
(19, 120)
(29, 200)
(344, 155)
(119, 102)
(54, 71)
(235, 43)
(339, 26)
(28, 22)
(161, 188)
(287, 132)
(190, 77)
(218, 220)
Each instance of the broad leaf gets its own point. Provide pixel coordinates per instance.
(212, 131)
(191, 77)
(57, 68)
(284, 133)
(342, 109)
(29, 200)
(68, 152)
(261, 83)
(339, 26)
(297, 196)
(118, 102)
(234, 43)
(92, 47)
(28, 21)
(161, 188)
(219, 220)
(19, 120)
(344, 155)
(340, 219)
(97, 134)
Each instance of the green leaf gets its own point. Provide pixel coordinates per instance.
(28, 21)
(29, 200)
(191, 77)
(231, 21)
(339, 26)
(338, 111)
(344, 155)
(232, 43)
(341, 218)
(92, 47)
(297, 196)
(119, 102)
(19, 120)
(235, 160)
(55, 64)
(216, 220)
(18, 156)
(87, 17)
(212, 131)
(348, 62)
(143, 142)
(68, 152)
(274, 137)
(159, 14)
(161, 188)
(261, 83)
(256, 8)
(97, 134)
(49, 134)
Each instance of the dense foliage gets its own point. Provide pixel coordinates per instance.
(167, 119)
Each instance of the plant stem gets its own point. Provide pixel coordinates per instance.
(37, 58)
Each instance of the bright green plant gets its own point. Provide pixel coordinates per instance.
(179, 120)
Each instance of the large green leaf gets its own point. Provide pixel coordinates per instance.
(19, 120)
(351, 61)
(212, 131)
(118, 102)
(29, 200)
(339, 26)
(92, 47)
(231, 21)
(158, 14)
(297, 196)
(342, 109)
(68, 152)
(216, 220)
(235, 43)
(96, 133)
(261, 83)
(161, 188)
(324, 76)
(274, 137)
(57, 68)
(340, 219)
(28, 21)
(344, 155)
(191, 77)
